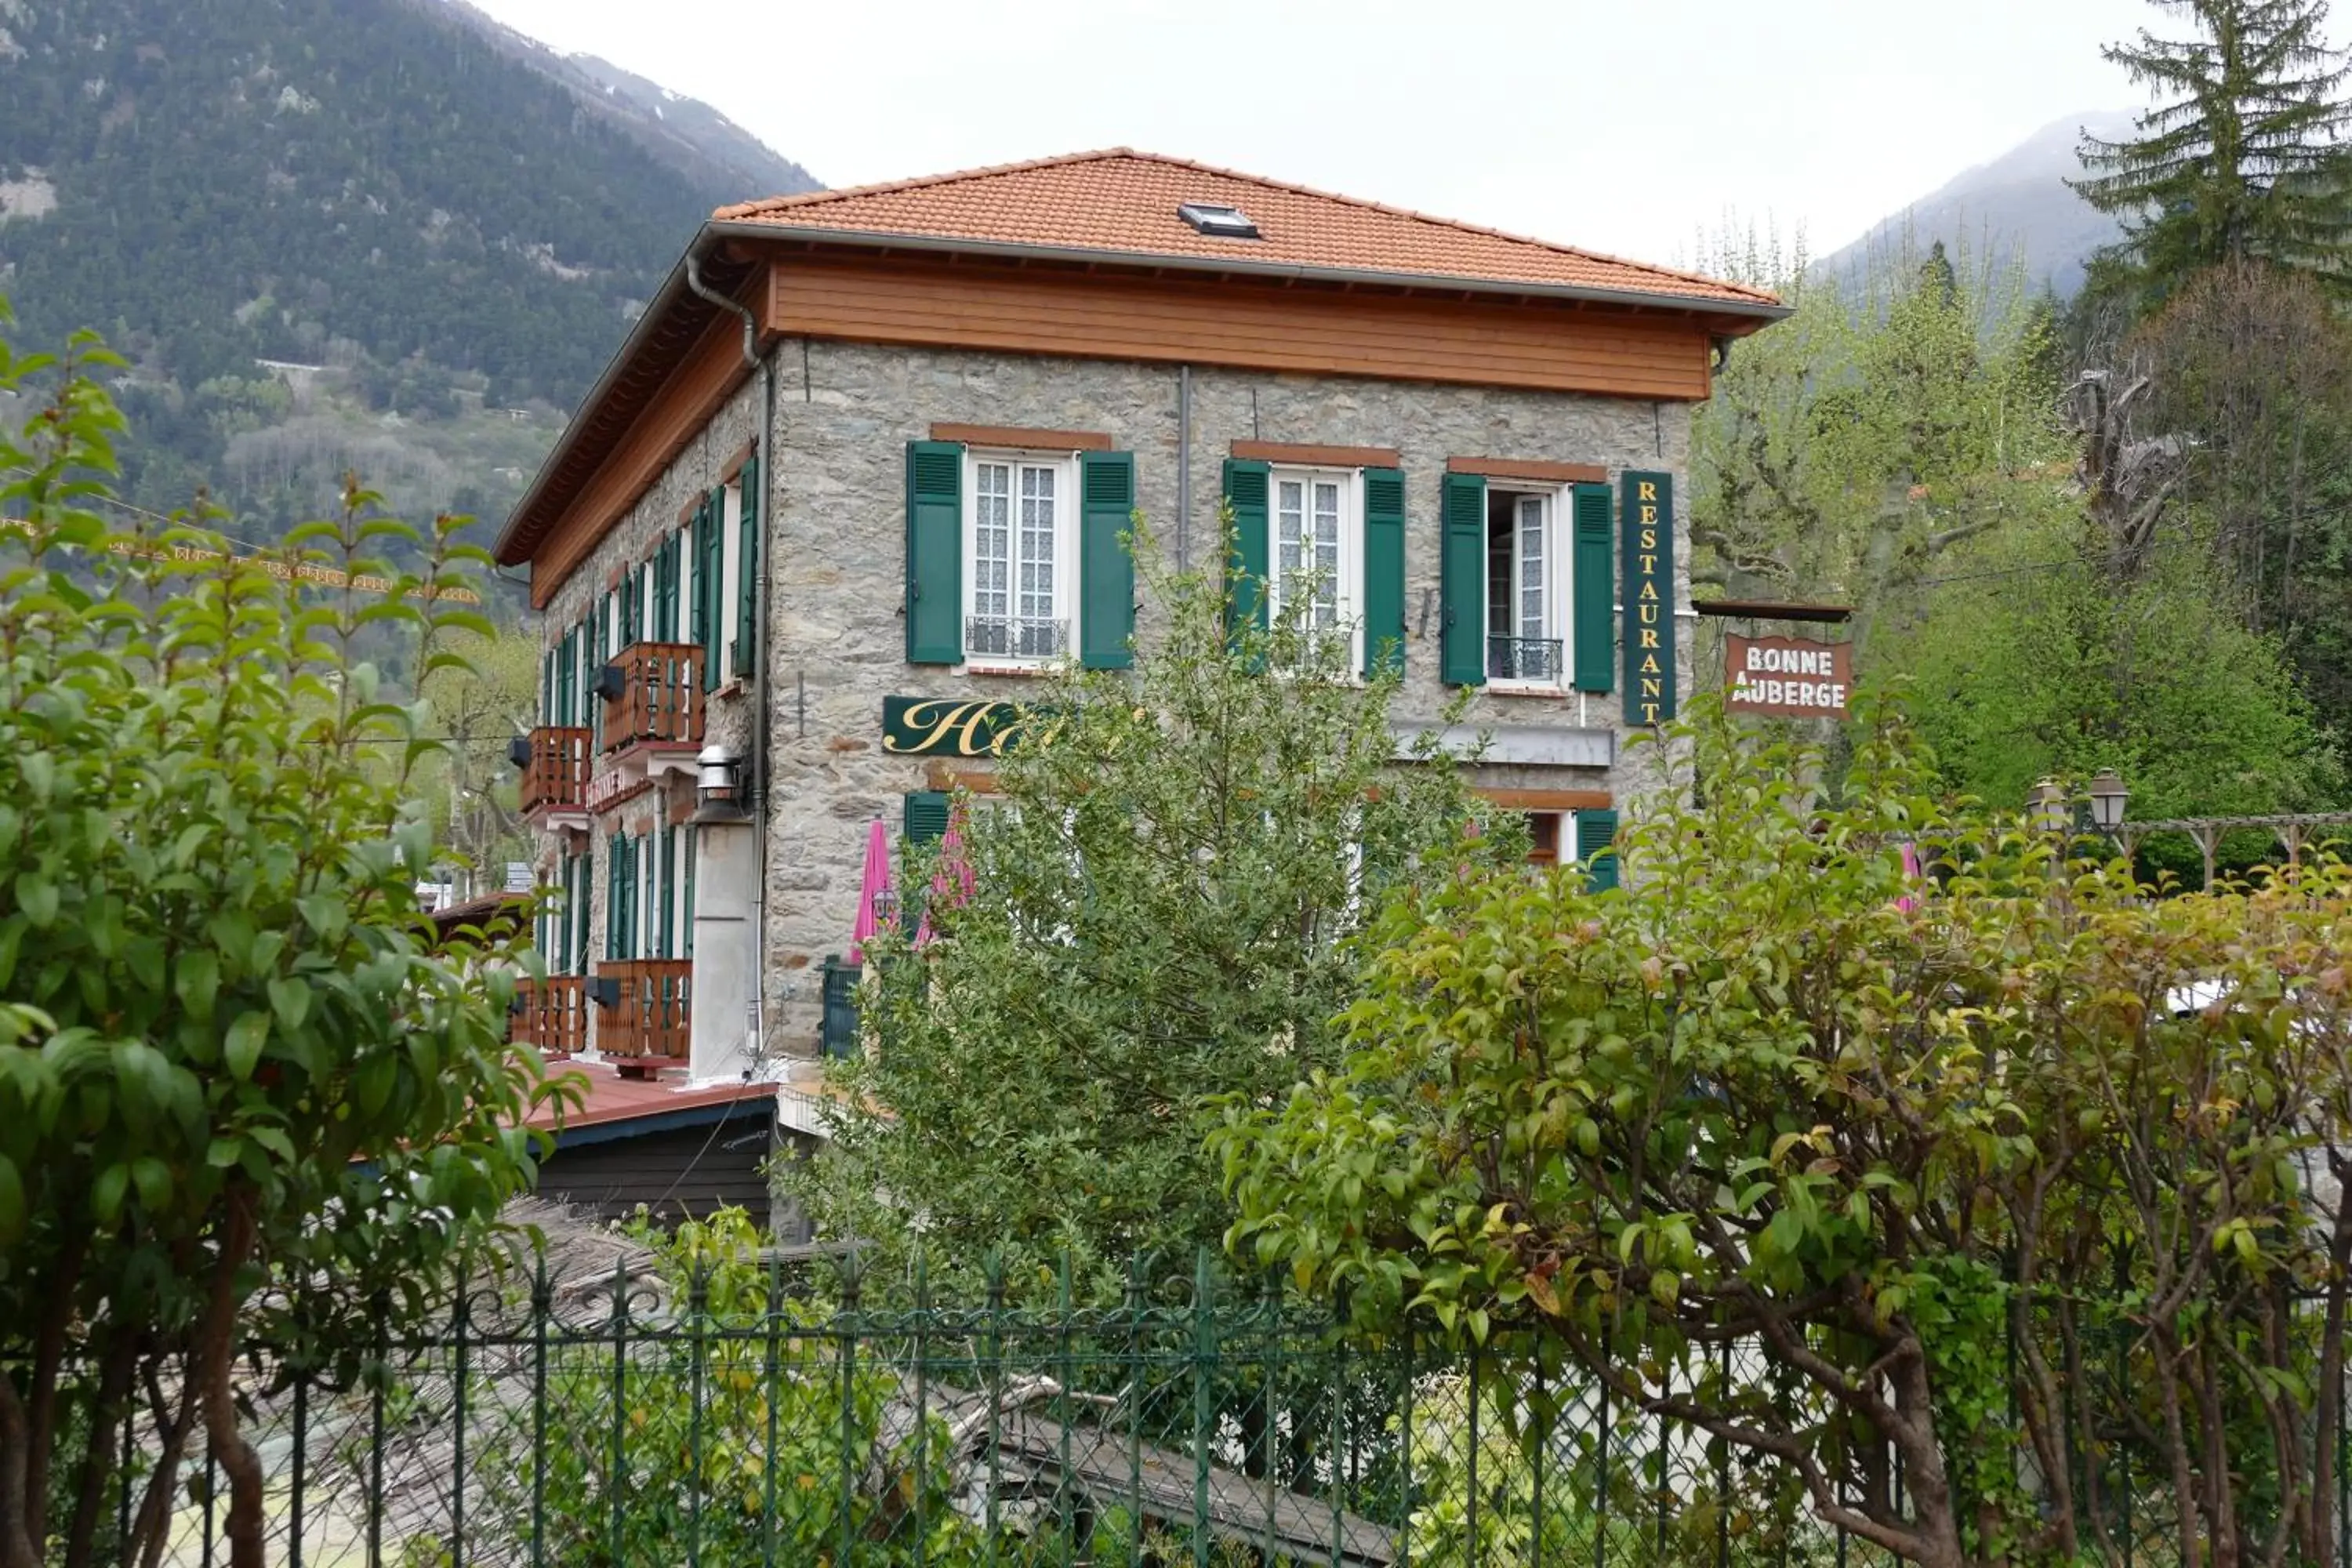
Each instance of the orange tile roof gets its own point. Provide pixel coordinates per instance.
(1122, 202)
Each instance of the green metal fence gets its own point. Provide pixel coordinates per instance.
(747, 1419)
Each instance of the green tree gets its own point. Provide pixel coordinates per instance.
(1780, 1144)
(469, 785)
(1164, 902)
(243, 1095)
(2027, 662)
(2239, 160)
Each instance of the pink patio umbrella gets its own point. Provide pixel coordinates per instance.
(876, 903)
(951, 880)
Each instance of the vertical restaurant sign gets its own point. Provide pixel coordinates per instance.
(1646, 513)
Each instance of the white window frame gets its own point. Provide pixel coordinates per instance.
(1350, 577)
(1557, 598)
(1065, 468)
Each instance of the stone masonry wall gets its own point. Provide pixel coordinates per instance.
(834, 473)
(836, 532)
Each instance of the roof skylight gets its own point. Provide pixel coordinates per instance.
(1218, 222)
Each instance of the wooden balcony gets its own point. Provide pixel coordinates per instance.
(648, 1026)
(555, 772)
(551, 1015)
(654, 696)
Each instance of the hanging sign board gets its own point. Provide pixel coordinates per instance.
(1646, 514)
(949, 727)
(1789, 677)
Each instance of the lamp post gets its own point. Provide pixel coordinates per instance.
(2047, 807)
(2109, 796)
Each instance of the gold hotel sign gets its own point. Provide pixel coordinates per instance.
(950, 726)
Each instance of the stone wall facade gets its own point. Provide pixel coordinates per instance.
(834, 473)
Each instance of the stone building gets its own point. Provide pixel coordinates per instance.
(865, 459)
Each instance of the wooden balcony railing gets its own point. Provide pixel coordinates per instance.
(648, 1025)
(660, 696)
(551, 1015)
(555, 775)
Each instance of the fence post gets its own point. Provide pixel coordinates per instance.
(1478, 1547)
(1341, 1460)
(1600, 1486)
(772, 1384)
(1204, 1353)
(848, 1321)
(1061, 1368)
(1404, 1472)
(922, 1404)
(302, 1447)
(458, 1477)
(697, 1304)
(1723, 1474)
(1540, 1454)
(543, 1303)
(1666, 1453)
(1135, 1364)
(994, 1342)
(618, 1482)
(382, 1314)
(1267, 1446)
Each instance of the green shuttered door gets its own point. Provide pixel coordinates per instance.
(934, 553)
(1596, 835)
(1383, 571)
(1462, 579)
(710, 583)
(1246, 485)
(1595, 615)
(1106, 569)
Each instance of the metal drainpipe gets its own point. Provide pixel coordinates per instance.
(1183, 461)
(766, 366)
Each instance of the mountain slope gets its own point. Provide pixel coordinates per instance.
(408, 209)
(2017, 202)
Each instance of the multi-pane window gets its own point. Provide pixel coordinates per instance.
(1315, 576)
(1022, 543)
(1525, 607)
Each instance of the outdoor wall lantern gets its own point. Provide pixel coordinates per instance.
(716, 773)
(2109, 796)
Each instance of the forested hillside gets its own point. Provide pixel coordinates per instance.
(436, 231)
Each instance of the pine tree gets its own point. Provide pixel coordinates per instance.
(2240, 159)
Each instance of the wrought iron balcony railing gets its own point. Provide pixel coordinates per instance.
(1015, 636)
(1523, 659)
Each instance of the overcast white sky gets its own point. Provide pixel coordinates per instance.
(1623, 125)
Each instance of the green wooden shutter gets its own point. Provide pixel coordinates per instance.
(710, 584)
(666, 574)
(1594, 616)
(616, 854)
(934, 553)
(1383, 571)
(747, 576)
(1247, 484)
(927, 815)
(664, 872)
(547, 687)
(1106, 569)
(1596, 837)
(1462, 581)
(690, 891)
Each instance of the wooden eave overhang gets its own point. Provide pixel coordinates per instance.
(732, 257)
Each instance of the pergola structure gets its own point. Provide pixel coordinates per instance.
(2293, 830)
